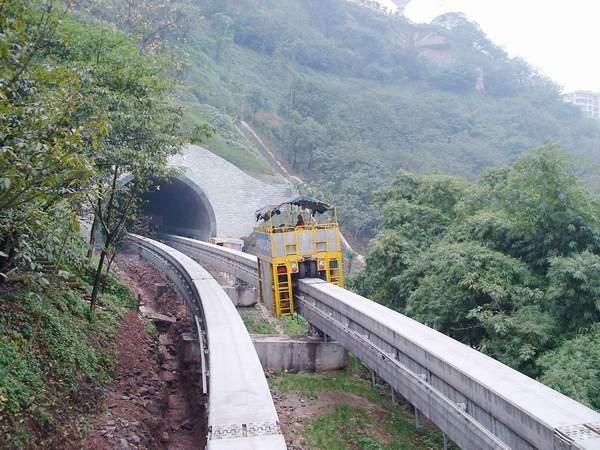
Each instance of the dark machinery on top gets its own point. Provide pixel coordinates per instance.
(296, 239)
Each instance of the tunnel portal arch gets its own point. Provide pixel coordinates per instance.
(179, 206)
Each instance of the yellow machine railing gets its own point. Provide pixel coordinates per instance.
(289, 256)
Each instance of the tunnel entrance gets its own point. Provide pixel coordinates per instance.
(178, 206)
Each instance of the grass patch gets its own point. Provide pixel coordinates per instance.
(152, 330)
(355, 427)
(295, 325)
(51, 353)
(258, 327)
(228, 142)
(347, 427)
(310, 384)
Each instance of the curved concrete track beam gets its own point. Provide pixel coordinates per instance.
(477, 401)
(241, 413)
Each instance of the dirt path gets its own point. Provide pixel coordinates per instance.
(155, 402)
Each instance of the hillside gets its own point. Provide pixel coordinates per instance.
(509, 264)
(346, 95)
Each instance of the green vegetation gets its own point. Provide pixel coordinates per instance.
(229, 143)
(310, 384)
(510, 265)
(259, 327)
(347, 95)
(165, 28)
(260, 321)
(80, 106)
(152, 330)
(256, 321)
(351, 426)
(355, 427)
(295, 325)
(52, 355)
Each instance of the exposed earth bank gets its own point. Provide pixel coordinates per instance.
(156, 400)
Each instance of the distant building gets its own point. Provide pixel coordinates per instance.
(401, 5)
(587, 101)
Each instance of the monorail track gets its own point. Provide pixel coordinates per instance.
(477, 401)
(241, 413)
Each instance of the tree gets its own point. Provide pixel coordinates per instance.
(509, 265)
(302, 137)
(41, 163)
(573, 295)
(143, 130)
(574, 367)
(152, 23)
(446, 284)
(550, 212)
(517, 337)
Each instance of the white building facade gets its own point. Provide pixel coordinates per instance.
(587, 101)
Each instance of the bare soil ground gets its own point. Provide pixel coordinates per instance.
(156, 401)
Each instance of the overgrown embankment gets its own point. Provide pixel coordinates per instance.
(55, 359)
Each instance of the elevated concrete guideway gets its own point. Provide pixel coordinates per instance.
(477, 401)
(241, 413)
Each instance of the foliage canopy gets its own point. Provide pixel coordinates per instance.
(508, 264)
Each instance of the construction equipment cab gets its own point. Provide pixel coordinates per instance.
(296, 239)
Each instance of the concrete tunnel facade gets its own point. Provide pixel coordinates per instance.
(179, 206)
(210, 197)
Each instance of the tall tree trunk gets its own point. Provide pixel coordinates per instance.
(90, 251)
(110, 261)
(97, 281)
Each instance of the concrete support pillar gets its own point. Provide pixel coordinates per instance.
(296, 354)
(417, 419)
(242, 295)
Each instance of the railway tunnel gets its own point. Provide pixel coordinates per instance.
(178, 206)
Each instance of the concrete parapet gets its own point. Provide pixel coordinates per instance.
(299, 354)
(242, 295)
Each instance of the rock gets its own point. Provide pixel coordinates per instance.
(162, 320)
(123, 444)
(135, 438)
(160, 289)
(164, 437)
(153, 408)
(187, 425)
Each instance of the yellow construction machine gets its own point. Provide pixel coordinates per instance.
(296, 239)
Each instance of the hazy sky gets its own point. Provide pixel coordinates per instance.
(561, 38)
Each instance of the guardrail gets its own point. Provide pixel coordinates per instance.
(242, 266)
(241, 413)
(457, 387)
(477, 401)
